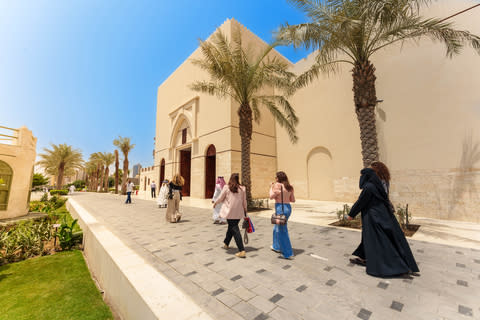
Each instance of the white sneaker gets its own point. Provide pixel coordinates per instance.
(277, 251)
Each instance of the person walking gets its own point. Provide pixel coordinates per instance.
(130, 186)
(220, 183)
(174, 197)
(234, 207)
(384, 250)
(282, 191)
(163, 195)
(153, 189)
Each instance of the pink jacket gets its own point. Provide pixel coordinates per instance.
(276, 193)
(234, 204)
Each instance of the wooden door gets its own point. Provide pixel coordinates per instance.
(210, 174)
(162, 172)
(185, 163)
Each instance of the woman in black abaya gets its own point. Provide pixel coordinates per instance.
(384, 249)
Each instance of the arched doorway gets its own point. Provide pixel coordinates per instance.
(320, 174)
(6, 174)
(185, 167)
(162, 172)
(210, 171)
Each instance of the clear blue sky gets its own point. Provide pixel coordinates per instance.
(83, 72)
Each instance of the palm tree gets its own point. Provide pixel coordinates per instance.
(108, 159)
(60, 160)
(91, 169)
(116, 171)
(97, 163)
(235, 72)
(125, 146)
(352, 31)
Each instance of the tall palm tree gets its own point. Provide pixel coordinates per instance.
(116, 171)
(239, 74)
(97, 162)
(125, 146)
(91, 169)
(352, 31)
(60, 160)
(108, 159)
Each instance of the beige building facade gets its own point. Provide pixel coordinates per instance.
(428, 129)
(17, 159)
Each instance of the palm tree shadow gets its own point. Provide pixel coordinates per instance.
(463, 182)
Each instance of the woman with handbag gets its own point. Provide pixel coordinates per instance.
(234, 206)
(174, 196)
(282, 192)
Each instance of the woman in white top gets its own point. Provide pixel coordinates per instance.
(220, 183)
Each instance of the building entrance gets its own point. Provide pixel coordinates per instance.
(185, 168)
(210, 171)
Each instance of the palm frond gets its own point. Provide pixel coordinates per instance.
(285, 121)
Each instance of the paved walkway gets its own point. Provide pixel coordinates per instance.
(319, 283)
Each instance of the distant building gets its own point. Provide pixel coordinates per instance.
(136, 170)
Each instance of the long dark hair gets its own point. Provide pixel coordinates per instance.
(234, 182)
(282, 178)
(381, 170)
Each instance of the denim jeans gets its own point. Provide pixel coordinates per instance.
(129, 199)
(281, 240)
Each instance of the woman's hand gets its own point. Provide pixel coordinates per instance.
(214, 204)
(349, 218)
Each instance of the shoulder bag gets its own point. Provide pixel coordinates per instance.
(279, 218)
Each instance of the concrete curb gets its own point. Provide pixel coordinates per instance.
(134, 288)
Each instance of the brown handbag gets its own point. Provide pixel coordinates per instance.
(279, 218)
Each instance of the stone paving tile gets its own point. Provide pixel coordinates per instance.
(246, 310)
(447, 288)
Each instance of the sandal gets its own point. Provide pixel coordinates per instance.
(358, 261)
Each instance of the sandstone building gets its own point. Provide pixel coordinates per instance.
(428, 129)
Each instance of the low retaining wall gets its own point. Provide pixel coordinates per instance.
(133, 288)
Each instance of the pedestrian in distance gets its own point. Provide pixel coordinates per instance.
(130, 187)
(174, 197)
(234, 207)
(153, 189)
(163, 195)
(220, 183)
(282, 191)
(384, 250)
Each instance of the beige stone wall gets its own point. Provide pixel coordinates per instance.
(20, 156)
(427, 126)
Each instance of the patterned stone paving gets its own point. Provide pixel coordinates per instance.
(319, 283)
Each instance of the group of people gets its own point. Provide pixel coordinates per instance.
(383, 248)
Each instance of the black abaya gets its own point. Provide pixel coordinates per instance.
(383, 246)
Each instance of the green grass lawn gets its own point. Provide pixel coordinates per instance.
(50, 287)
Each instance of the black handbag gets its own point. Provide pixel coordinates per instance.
(279, 218)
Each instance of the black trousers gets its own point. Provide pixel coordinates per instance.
(153, 192)
(234, 231)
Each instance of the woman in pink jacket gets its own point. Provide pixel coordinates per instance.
(234, 206)
(281, 240)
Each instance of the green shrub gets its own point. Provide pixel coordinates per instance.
(57, 202)
(66, 235)
(59, 192)
(44, 197)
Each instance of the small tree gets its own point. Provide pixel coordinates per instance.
(39, 180)
(60, 160)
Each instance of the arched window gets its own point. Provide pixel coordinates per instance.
(6, 174)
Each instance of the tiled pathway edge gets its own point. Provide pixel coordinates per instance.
(132, 286)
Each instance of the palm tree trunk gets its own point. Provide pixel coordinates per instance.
(105, 183)
(246, 129)
(61, 169)
(365, 101)
(102, 177)
(116, 171)
(125, 174)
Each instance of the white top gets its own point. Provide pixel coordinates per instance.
(130, 187)
(153, 185)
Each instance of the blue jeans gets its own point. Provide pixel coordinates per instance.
(129, 199)
(281, 240)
